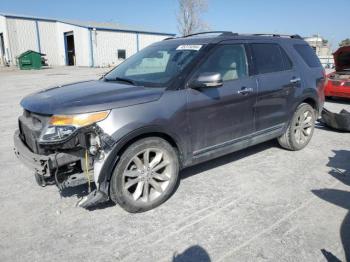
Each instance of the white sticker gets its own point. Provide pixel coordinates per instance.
(189, 47)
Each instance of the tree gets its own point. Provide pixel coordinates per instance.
(345, 42)
(189, 16)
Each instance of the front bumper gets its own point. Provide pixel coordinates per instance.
(44, 166)
(65, 164)
(40, 164)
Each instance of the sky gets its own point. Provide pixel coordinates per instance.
(329, 19)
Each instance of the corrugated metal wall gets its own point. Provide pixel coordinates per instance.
(92, 47)
(107, 43)
(3, 29)
(48, 42)
(22, 36)
(81, 43)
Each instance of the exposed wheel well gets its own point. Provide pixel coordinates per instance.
(166, 137)
(311, 102)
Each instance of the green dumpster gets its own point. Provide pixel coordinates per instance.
(30, 60)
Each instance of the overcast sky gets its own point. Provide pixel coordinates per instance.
(330, 19)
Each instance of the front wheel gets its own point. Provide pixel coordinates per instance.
(300, 129)
(145, 176)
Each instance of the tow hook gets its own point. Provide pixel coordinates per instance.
(94, 198)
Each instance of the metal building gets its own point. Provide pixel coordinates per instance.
(67, 42)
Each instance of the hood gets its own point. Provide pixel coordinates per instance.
(342, 58)
(88, 96)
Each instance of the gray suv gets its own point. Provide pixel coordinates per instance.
(174, 104)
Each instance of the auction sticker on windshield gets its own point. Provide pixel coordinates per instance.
(189, 47)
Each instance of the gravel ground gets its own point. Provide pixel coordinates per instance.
(260, 204)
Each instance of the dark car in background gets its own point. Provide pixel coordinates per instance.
(338, 82)
(174, 104)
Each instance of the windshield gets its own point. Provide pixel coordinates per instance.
(154, 66)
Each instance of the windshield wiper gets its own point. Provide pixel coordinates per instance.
(120, 79)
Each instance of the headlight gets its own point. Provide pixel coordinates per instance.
(62, 126)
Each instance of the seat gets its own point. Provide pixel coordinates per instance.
(227, 67)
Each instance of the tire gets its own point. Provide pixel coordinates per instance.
(146, 175)
(300, 129)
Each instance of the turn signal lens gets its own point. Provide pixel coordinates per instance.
(79, 120)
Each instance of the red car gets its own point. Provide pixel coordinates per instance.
(338, 82)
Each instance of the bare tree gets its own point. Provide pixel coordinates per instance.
(189, 16)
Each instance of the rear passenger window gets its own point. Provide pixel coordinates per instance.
(268, 58)
(287, 62)
(308, 55)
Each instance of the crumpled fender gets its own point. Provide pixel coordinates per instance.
(339, 121)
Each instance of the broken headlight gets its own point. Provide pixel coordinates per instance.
(61, 127)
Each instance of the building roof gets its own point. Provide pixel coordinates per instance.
(112, 26)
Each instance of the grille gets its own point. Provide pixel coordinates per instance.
(30, 126)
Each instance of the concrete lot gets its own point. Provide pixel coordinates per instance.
(260, 204)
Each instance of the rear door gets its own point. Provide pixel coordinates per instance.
(219, 116)
(277, 80)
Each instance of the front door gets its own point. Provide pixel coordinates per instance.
(220, 115)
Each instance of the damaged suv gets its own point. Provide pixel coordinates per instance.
(174, 104)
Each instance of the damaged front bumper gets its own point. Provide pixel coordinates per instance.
(39, 163)
(68, 165)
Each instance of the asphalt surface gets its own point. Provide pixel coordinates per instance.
(260, 204)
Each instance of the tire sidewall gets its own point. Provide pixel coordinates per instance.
(117, 192)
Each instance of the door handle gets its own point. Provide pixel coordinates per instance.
(295, 80)
(245, 91)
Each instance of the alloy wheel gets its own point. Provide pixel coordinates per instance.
(147, 175)
(303, 127)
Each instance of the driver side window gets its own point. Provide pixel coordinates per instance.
(228, 60)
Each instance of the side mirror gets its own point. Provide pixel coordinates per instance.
(207, 80)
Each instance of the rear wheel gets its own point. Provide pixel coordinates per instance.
(300, 129)
(145, 176)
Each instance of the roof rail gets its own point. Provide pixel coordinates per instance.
(229, 33)
(222, 33)
(279, 35)
(168, 38)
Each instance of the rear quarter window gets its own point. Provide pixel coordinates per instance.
(308, 55)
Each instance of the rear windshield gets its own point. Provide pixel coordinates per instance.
(308, 55)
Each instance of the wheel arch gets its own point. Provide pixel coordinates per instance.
(135, 137)
(315, 103)
(308, 98)
(311, 101)
(122, 144)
